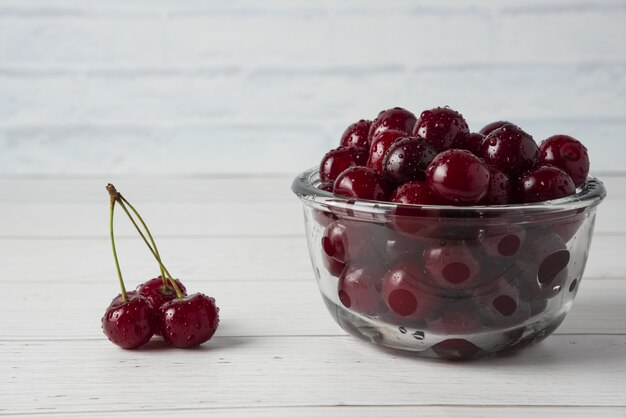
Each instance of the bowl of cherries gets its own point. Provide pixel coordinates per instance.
(430, 239)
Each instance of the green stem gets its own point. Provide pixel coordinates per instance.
(179, 294)
(145, 227)
(117, 263)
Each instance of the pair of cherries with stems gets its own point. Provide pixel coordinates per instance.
(159, 306)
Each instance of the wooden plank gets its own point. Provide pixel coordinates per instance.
(250, 308)
(235, 258)
(223, 210)
(342, 410)
(184, 189)
(295, 371)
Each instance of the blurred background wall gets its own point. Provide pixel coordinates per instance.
(183, 87)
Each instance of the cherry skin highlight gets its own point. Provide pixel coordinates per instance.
(357, 135)
(414, 193)
(407, 159)
(487, 129)
(129, 324)
(190, 321)
(544, 183)
(510, 149)
(158, 294)
(458, 177)
(362, 183)
(379, 146)
(397, 118)
(339, 159)
(442, 127)
(568, 154)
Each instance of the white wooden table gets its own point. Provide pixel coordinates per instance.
(277, 352)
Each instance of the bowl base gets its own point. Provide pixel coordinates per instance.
(418, 341)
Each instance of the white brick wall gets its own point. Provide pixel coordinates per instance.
(194, 86)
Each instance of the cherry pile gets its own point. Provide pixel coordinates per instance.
(461, 276)
(160, 306)
(435, 159)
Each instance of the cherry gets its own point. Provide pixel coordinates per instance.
(397, 118)
(158, 291)
(186, 320)
(544, 183)
(471, 142)
(414, 193)
(458, 177)
(333, 266)
(357, 135)
(543, 266)
(362, 183)
(344, 241)
(500, 304)
(407, 160)
(459, 318)
(339, 159)
(510, 149)
(456, 349)
(451, 264)
(502, 241)
(379, 146)
(129, 321)
(442, 127)
(405, 292)
(189, 321)
(500, 191)
(359, 288)
(568, 154)
(487, 129)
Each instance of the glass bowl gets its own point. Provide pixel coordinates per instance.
(447, 281)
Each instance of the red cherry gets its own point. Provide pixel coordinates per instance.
(397, 118)
(379, 146)
(407, 160)
(451, 264)
(362, 183)
(339, 159)
(345, 241)
(502, 242)
(405, 292)
(544, 183)
(359, 288)
(414, 193)
(157, 293)
(509, 149)
(357, 135)
(543, 266)
(487, 129)
(568, 154)
(500, 190)
(442, 127)
(190, 321)
(500, 304)
(471, 142)
(334, 267)
(456, 349)
(458, 177)
(129, 324)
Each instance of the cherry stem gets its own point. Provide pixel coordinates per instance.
(145, 227)
(179, 294)
(117, 263)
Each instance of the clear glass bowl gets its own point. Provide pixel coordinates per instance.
(444, 281)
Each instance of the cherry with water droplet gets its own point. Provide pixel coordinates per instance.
(190, 321)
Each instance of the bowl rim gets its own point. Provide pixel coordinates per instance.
(304, 186)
